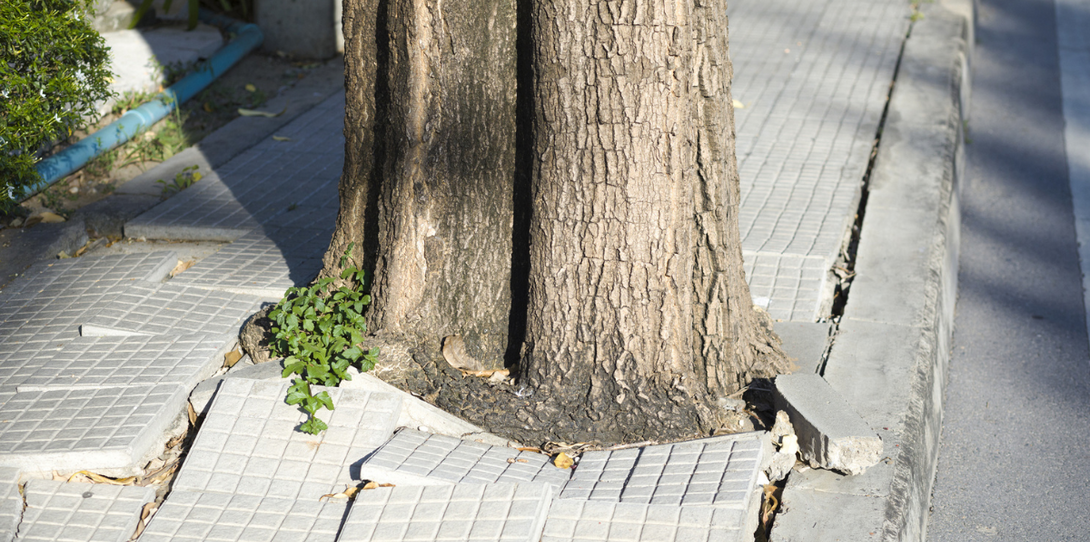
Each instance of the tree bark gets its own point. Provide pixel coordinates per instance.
(639, 315)
(444, 205)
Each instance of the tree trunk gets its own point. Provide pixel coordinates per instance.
(624, 263)
(639, 315)
(444, 204)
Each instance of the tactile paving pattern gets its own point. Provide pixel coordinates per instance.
(77, 276)
(477, 512)
(259, 184)
(249, 444)
(158, 309)
(601, 521)
(813, 79)
(222, 517)
(95, 362)
(416, 458)
(85, 428)
(788, 287)
(719, 470)
(11, 503)
(263, 262)
(73, 512)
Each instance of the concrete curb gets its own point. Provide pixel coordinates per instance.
(891, 356)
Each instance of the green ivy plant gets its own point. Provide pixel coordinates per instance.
(318, 330)
(53, 73)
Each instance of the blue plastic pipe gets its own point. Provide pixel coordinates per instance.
(136, 121)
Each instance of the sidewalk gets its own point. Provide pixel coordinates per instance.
(99, 355)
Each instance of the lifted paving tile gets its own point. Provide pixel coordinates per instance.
(11, 502)
(416, 458)
(117, 362)
(158, 309)
(77, 276)
(479, 512)
(103, 428)
(261, 263)
(600, 521)
(76, 512)
(719, 471)
(223, 517)
(249, 444)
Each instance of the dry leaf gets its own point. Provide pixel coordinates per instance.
(192, 415)
(454, 351)
(281, 138)
(182, 266)
(100, 479)
(58, 477)
(517, 460)
(738, 105)
(530, 449)
(145, 516)
(231, 358)
(47, 217)
(250, 87)
(487, 373)
(255, 113)
(563, 461)
(207, 107)
(769, 505)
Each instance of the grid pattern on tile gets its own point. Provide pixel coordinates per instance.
(259, 184)
(222, 517)
(787, 286)
(94, 362)
(53, 429)
(717, 471)
(74, 512)
(479, 512)
(418, 458)
(249, 445)
(262, 262)
(76, 276)
(11, 503)
(602, 521)
(157, 309)
(813, 78)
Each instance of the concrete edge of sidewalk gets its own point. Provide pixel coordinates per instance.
(108, 216)
(890, 359)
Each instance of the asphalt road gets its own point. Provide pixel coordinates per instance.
(1014, 462)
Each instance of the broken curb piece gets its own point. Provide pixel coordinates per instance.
(831, 435)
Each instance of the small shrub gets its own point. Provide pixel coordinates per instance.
(53, 72)
(319, 332)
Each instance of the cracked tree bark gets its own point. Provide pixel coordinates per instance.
(618, 214)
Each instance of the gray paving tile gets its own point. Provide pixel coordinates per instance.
(249, 445)
(601, 521)
(222, 517)
(479, 512)
(85, 428)
(789, 287)
(158, 309)
(115, 362)
(11, 502)
(264, 262)
(719, 471)
(76, 276)
(73, 512)
(416, 458)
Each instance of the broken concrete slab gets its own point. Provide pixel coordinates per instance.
(11, 502)
(831, 434)
(249, 443)
(67, 430)
(415, 458)
(804, 342)
(76, 512)
(120, 362)
(423, 416)
(202, 394)
(719, 471)
(223, 517)
(76, 277)
(158, 309)
(504, 511)
(604, 521)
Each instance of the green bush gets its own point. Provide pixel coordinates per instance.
(53, 71)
